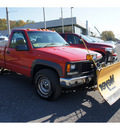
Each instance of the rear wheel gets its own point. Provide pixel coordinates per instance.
(47, 84)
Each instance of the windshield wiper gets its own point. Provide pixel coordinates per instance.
(49, 44)
(66, 44)
(58, 44)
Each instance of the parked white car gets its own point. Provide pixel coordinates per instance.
(3, 38)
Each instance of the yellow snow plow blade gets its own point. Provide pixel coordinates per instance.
(108, 82)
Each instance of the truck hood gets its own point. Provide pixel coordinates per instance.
(104, 44)
(69, 53)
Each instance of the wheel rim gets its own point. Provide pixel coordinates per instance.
(44, 85)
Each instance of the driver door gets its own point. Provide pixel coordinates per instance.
(17, 61)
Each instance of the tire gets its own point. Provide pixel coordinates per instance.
(92, 82)
(47, 84)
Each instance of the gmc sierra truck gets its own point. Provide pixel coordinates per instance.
(108, 51)
(48, 59)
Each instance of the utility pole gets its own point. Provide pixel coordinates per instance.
(72, 18)
(44, 18)
(62, 20)
(87, 28)
(8, 22)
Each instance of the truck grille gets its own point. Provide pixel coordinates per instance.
(86, 67)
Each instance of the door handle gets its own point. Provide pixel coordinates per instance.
(8, 52)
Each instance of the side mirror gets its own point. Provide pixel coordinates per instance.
(70, 42)
(21, 48)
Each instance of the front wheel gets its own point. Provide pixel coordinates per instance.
(47, 84)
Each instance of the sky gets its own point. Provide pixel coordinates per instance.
(104, 18)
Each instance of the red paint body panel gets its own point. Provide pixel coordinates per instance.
(19, 62)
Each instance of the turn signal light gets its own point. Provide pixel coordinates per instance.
(89, 57)
(68, 68)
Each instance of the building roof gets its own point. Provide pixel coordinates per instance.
(55, 23)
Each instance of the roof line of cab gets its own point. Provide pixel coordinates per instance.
(39, 29)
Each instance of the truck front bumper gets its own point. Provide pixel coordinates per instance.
(113, 58)
(71, 82)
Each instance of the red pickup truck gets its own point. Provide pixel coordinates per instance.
(108, 51)
(48, 59)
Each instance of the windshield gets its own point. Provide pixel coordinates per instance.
(92, 38)
(95, 39)
(86, 38)
(46, 39)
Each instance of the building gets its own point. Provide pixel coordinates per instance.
(78, 26)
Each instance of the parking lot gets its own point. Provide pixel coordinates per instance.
(19, 102)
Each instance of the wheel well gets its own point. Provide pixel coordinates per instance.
(40, 67)
(101, 53)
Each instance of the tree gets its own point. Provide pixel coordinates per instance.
(12, 24)
(108, 36)
(29, 22)
(20, 23)
(3, 23)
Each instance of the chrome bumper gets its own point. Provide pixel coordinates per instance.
(75, 81)
(112, 58)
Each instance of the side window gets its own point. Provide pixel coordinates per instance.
(73, 39)
(78, 40)
(70, 39)
(17, 39)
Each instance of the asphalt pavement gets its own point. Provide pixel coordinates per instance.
(19, 102)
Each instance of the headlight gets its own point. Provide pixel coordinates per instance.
(72, 69)
(109, 50)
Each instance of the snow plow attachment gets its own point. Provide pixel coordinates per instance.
(108, 82)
